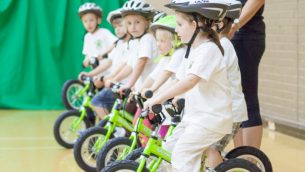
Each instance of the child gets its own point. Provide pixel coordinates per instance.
(208, 111)
(164, 30)
(142, 48)
(239, 108)
(120, 47)
(97, 41)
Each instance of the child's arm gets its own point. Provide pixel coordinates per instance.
(102, 67)
(123, 73)
(161, 80)
(117, 70)
(137, 71)
(86, 61)
(101, 56)
(147, 83)
(181, 87)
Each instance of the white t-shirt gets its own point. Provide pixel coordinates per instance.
(209, 103)
(239, 108)
(176, 60)
(118, 54)
(98, 43)
(161, 65)
(146, 46)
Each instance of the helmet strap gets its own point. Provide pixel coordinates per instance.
(189, 44)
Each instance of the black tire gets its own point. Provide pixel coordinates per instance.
(84, 153)
(60, 129)
(135, 154)
(103, 123)
(237, 165)
(111, 151)
(66, 99)
(123, 165)
(259, 156)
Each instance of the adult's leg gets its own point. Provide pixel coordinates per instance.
(249, 54)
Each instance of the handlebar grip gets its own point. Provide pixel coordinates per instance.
(83, 77)
(112, 85)
(157, 108)
(149, 94)
(126, 92)
(181, 104)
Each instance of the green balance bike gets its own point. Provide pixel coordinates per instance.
(119, 148)
(153, 155)
(71, 123)
(258, 157)
(74, 92)
(92, 140)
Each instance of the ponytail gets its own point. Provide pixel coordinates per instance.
(212, 34)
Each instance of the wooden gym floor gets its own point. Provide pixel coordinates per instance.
(27, 145)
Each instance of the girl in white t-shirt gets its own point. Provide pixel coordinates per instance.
(141, 50)
(137, 15)
(208, 102)
(97, 41)
(239, 108)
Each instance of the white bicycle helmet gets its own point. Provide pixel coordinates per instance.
(211, 9)
(138, 6)
(234, 9)
(114, 14)
(90, 8)
(158, 15)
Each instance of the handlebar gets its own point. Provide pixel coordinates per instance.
(149, 94)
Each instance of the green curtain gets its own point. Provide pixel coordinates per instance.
(40, 48)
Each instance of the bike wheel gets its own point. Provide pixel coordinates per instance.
(237, 165)
(64, 132)
(135, 155)
(68, 94)
(103, 123)
(248, 152)
(123, 166)
(112, 151)
(84, 150)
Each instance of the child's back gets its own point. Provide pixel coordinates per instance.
(238, 101)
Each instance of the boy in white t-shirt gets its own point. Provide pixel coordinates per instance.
(142, 49)
(98, 41)
(208, 102)
(239, 108)
(116, 59)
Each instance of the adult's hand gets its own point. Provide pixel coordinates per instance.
(233, 30)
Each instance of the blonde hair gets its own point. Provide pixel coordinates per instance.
(166, 33)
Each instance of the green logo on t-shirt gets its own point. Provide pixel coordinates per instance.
(98, 44)
(190, 65)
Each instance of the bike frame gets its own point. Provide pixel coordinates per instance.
(154, 146)
(118, 117)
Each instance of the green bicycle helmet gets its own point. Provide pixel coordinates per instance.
(167, 23)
